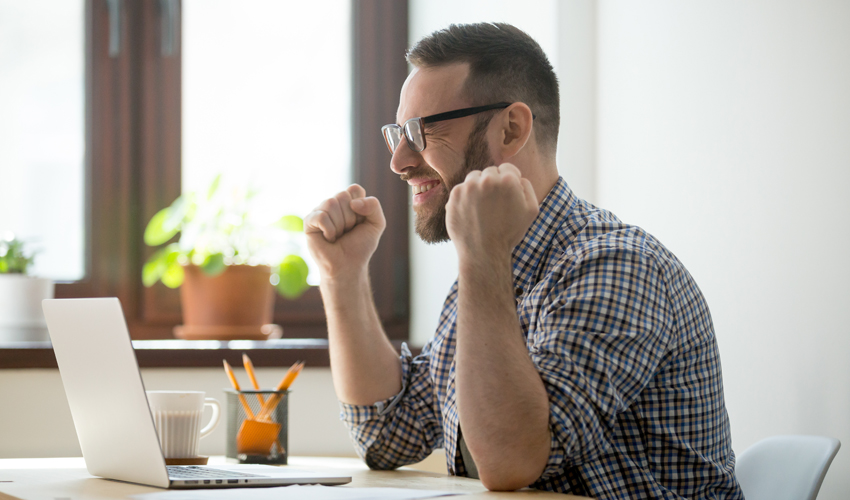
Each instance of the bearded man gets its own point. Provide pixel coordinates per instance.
(574, 353)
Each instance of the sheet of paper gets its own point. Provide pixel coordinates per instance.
(295, 493)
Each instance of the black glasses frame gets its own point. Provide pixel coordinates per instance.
(422, 121)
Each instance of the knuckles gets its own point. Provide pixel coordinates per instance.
(327, 205)
(343, 197)
(491, 180)
(314, 218)
(355, 191)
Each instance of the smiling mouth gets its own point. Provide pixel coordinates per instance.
(425, 186)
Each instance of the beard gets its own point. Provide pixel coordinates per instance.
(430, 225)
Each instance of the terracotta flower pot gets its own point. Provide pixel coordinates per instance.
(236, 304)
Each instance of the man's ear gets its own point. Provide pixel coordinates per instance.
(513, 129)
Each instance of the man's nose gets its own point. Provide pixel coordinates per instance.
(404, 158)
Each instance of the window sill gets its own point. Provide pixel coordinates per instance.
(186, 353)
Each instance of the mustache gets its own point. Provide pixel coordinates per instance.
(420, 173)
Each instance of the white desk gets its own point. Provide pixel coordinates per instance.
(67, 479)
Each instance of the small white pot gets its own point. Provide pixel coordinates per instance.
(21, 317)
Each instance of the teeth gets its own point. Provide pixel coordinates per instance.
(421, 188)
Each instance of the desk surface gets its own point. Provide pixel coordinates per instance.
(67, 478)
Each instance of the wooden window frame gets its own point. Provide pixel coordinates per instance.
(133, 156)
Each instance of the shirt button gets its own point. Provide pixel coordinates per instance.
(518, 292)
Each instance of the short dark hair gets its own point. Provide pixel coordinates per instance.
(505, 64)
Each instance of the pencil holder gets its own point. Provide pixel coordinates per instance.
(262, 439)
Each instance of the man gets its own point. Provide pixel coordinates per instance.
(574, 353)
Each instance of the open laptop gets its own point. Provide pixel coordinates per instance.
(110, 408)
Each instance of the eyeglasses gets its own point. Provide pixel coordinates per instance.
(414, 129)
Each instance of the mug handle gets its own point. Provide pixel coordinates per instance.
(216, 413)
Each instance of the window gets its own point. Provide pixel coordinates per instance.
(278, 118)
(42, 133)
(135, 145)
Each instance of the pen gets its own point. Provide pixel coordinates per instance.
(235, 384)
(249, 368)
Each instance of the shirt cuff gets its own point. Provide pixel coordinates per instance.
(358, 414)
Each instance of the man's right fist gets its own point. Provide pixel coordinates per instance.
(343, 232)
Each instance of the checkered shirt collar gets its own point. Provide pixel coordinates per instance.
(526, 257)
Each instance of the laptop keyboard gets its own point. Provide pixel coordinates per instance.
(198, 472)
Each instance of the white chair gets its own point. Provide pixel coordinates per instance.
(785, 467)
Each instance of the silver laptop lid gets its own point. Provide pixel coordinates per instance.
(105, 390)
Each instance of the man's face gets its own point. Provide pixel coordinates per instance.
(453, 147)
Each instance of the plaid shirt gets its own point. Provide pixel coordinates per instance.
(624, 344)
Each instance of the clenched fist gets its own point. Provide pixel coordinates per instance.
(490, 211)
(343, 232)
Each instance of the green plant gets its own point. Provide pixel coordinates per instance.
(14, 259)
(218, 228)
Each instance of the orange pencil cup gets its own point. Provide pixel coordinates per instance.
(262, 439)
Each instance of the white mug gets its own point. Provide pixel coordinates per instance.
(177, 416)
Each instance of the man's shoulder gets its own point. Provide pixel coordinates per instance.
(599, 264)
(591, 229)
(591, 233)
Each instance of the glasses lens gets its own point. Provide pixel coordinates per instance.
(392, 135)
(415, 136)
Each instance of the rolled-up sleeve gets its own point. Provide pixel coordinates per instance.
(601, 334)
(403, 429)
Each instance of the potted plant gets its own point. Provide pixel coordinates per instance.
(227, 263)
(21, 317)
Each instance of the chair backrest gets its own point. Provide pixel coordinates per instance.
(785, 467)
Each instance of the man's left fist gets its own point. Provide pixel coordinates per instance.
(490, 211)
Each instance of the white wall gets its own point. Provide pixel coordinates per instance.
(724, 129)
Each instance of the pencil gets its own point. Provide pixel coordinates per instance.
(249, 368)
(290, 376)
(284, 384)
(235, 384)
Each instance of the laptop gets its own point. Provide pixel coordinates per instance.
(110, 408)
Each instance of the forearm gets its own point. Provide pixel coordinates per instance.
(364, 365)
(502, 402)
